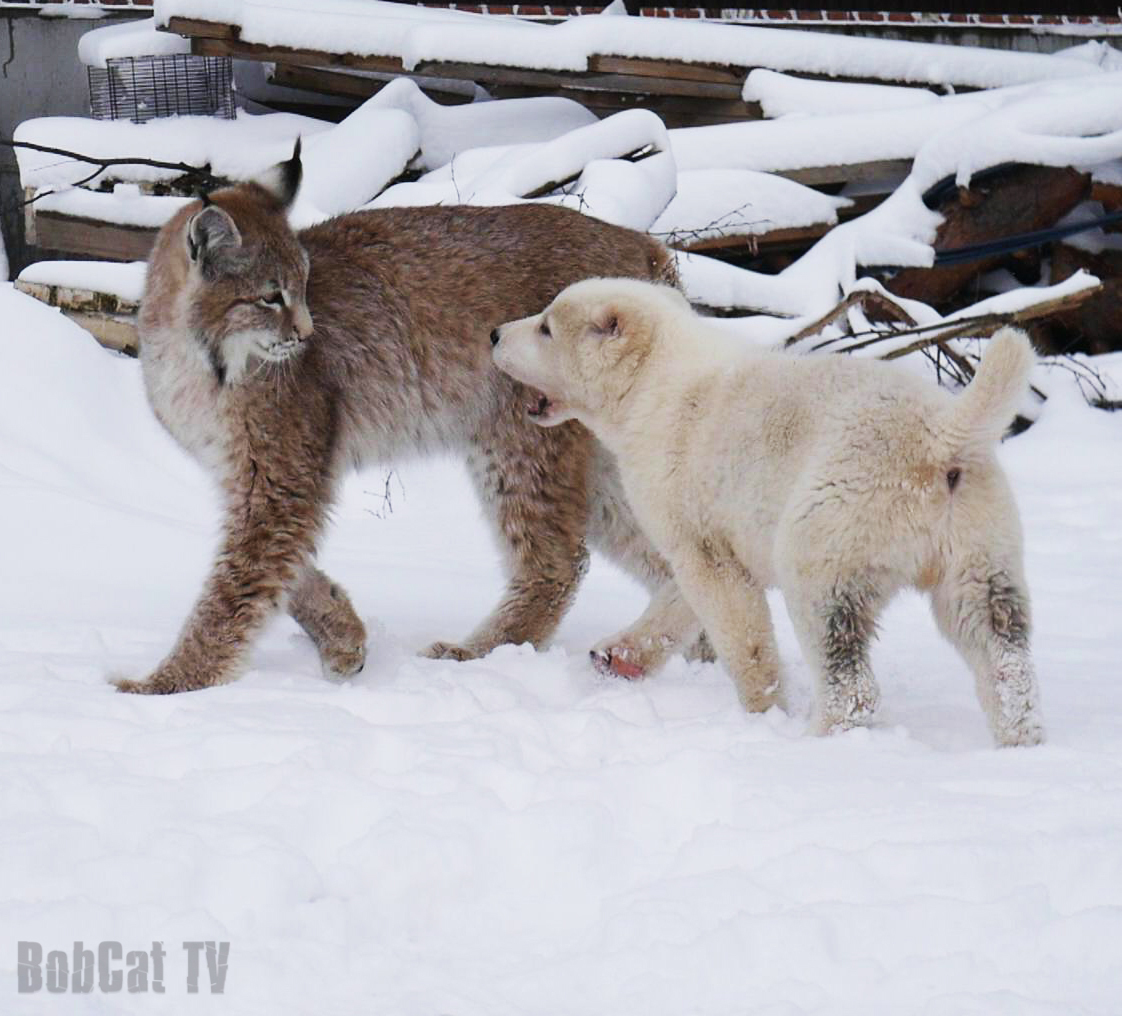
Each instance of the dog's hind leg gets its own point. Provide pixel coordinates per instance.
(323, 609)
(982, 607)
(533, 487)
(834, 627)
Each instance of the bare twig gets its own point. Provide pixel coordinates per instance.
(723, 225)
(386, 495)
(638, 155)
(198, 176)
(864, 298)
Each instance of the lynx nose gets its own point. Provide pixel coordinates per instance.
(302, 326)
(495, 336)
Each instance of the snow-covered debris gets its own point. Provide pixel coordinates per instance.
(784, 95)
(344, 167)
(125, 205)
(804, 142)
(418, 35)
(125, 281)
(131, 38)
(1101, 54)
(1072, 123)
(603, 184)
(236, 149)
(740, 202)
(447, 131)
(345, 164)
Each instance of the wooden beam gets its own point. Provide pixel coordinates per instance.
(645, 68)
(197, 29)
(631, 83)
(106, 241)
(484, 73)
(239, 50)
(673, 110)
(858, 172)
(344, 84)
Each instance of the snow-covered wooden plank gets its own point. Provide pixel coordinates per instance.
(102, 301)
(199, 29)
(349, 84)
(108, 241)
(428, 36)
(643, 68)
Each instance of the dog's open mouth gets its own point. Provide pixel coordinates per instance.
(540, 408)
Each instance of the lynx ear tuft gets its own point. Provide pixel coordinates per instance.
(209, 231)
(282, 181)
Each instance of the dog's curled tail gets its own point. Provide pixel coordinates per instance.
(982, 413)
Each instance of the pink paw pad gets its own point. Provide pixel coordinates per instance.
(615, 663)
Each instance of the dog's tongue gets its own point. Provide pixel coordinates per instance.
(539, 407)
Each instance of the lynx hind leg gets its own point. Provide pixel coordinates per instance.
(665, 626)
(533, 487)
(835, 626)
(323, 609)
(982, 607)
(669, 623)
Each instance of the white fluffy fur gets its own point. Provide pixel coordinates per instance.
(839, 480)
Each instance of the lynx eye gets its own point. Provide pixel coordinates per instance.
(273, 299)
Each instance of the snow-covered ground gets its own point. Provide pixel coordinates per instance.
(516, 835)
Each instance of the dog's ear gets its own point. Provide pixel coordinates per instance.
(608, 322)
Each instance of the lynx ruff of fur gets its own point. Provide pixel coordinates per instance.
(282, 360)
(839, 480)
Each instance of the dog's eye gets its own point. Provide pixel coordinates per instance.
(544, 329)
(273, 299)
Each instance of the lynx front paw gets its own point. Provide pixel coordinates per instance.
(159, 683)
(618, 661)
(343, 661)
(450, 651)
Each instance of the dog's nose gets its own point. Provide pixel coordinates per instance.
(494, 336)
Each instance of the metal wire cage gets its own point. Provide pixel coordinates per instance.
(146, 87)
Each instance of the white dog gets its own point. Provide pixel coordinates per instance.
(839, 480)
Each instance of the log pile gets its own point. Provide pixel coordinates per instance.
(1011, 202)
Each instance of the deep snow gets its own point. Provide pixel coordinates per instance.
(515, 835)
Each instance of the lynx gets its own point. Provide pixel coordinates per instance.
(281, 360)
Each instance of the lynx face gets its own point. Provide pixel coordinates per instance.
(247, 306)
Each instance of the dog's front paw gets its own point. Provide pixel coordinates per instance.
(1025, 733)
(617, 661)
(844, 711)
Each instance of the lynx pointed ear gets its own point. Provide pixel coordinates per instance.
(209, 231)
(282, 181)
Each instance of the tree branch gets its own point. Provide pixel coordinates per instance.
(201, 175)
